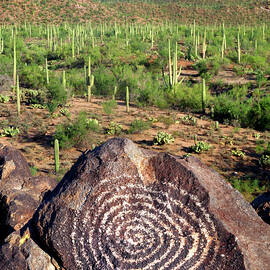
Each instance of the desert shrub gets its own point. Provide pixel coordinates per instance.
(259, 114)
(114, 129)
(207, 68)
(163, 138)
(4, 99)
(200, 147)
(233, 105)
(148, 90)
(76, 82)
(256, 61)
(31, 96)
(108, 106)
(264, 161)
(138, 125)
(104, 81)
(95, 55)
(249, 187)
(73, 133)
(56, 94)
(34, 55)
(9, 131)
(129, 77)
(93, 124)
(32, 76)
(6, 65)
(187, 98)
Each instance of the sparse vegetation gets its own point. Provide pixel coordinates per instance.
(114, 129)
(200, 147)
(177, 75)
(163, 138)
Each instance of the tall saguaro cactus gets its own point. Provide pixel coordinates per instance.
(174, 73)
(64, 82)
(73, 43)
(203, 95)
(18, 96)
(238, 48)
(1, 45)
(47, 71)
(204, 45)
(14, 61)
(90, 81)
(56, 155)
(127, 99)
(114, 92)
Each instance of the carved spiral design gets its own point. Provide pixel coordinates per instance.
(130, 226)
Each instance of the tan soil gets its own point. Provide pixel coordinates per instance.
(36, 145)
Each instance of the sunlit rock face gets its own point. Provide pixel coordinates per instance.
(123, 207)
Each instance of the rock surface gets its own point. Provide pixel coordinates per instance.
(122, 207)
(20, 193)
(22, 253)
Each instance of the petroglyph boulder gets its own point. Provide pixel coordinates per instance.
(20, 193)
(122, 207)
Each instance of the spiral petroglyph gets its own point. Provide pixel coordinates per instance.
(130, 226)
(121, 207)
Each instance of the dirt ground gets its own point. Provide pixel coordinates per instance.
(38, 127)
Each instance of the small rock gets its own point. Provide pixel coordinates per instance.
(22, 253)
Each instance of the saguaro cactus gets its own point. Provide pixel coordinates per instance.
(204, 45)
(56, 155)
(64, 82)
(18, 97)
(1, 45)
(127, 99)
(174, 74)
(90, 81)
(238, 48)
(114, 92)
(203, 95)
(14, 61)
(47, 71)
(73, 44)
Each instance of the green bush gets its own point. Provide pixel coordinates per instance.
(249, 187)
(187, 98)
(163, 138)
(9, 132)
(264, 160)
(114, 129)
(233, 105)
(76, 82)
(56, 94)
(109, 106)
(4, 99)
(31, 96)
(73, 133)
(104, 81)
(32, 77)
(138, 125)
(200, 147)
(259, 114)
(93, 125)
